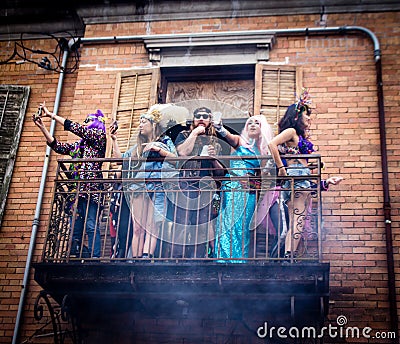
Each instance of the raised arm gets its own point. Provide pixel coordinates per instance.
(185, 147)
(39, 123)
(58, 147)
(115, 147)
(232, 139)
(92, 135)
(53, 116)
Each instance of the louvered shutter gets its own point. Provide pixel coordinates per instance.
(275, 90)
(13, 102)
(135, 92)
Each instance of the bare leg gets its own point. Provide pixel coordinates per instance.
(150, 241)
(137, 240)
(297, 217)
(150, 244)
(139, 213)
(144, 238)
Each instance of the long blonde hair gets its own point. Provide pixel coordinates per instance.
(157, 132)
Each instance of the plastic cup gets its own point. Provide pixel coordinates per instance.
(216, 117)
(204, 151)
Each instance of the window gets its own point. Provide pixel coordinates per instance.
(259, 88)
(13, 102)
(135, 92)
(275, 90)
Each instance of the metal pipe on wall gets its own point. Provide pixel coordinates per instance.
(35, 224)
(387, 207)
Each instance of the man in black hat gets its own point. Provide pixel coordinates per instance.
(196, 204)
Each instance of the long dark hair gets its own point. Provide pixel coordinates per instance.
(292, 117)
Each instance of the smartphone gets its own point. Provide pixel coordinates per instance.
(38, 114)
(114, 127)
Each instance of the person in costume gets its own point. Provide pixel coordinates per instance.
(143, 186)
(239, 194)
(91, 145)
(293, 139)
(196, 202)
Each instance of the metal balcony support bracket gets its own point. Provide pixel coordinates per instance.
(132, 281)
(64, 326)
(220, 281)
(292, 307)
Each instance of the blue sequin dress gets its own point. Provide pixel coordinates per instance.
(238, 203)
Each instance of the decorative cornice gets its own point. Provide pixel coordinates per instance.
(237, 47)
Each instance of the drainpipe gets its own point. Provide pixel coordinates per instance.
(39, 202)
(387, 207)
(283, 32)
(394, 320)
(394, 324)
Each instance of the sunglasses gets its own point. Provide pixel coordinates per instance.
(201, 115)
(87, 120)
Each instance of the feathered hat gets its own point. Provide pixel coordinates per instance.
(303, 99)
(167, 115)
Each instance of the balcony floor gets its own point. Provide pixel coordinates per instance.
(295, 292)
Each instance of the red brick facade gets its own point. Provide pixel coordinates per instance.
(340, 72)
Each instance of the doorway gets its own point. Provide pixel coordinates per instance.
(225, 89)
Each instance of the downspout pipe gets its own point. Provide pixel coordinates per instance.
(387, 207)
(35, 224)
(394, 320)
(338, 30)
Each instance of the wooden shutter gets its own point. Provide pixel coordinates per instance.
(275, 90)
(13, 102)
(135, 92)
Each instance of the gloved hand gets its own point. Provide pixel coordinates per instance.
(217, 124)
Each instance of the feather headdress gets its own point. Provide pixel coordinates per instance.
(167, 115)
(303, 100)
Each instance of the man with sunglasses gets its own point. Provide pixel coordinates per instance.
(194, 210)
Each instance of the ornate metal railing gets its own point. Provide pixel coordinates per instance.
(240, 214)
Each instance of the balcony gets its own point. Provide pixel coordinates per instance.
(192, 268)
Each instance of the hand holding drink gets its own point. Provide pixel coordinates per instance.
(216, 120)
(217, 123)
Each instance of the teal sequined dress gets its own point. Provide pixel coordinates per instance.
(238, 202)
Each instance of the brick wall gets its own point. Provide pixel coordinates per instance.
(340, 72)
(21, 202)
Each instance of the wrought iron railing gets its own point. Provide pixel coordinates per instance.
(236, 216)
